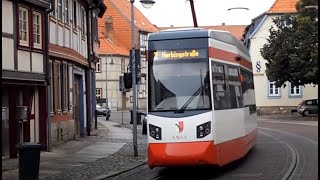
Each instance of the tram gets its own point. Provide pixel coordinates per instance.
(201, 102)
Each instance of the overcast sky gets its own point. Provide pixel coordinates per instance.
(209, 12)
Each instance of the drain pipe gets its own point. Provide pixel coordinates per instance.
(46, 62)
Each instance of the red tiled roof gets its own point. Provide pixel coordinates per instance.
(236, 30)
(120, 11)
(109, 47)
(283, 6)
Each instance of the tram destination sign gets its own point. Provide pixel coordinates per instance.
(180, 54)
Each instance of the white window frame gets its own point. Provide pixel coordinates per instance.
(98, 93)
(98, 66)
(65, 81)
(51, 87)
(21, 21)
(83, 22)
(59, 77)
(37, 44)
(66, 12)
(274, 94)
(75, 14)
(60, 10)
(295, 89)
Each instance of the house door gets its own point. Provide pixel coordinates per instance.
(77, 107)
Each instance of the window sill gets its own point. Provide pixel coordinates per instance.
(67, 26)
(274, 97)
(60, 23)
(52, 18)
(295, 96)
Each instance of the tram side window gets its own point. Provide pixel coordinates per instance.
(248, 91)
(221, 97)
(236, 98)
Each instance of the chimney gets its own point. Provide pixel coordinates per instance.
(223, 24)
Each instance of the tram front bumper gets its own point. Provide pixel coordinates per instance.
(182, 154)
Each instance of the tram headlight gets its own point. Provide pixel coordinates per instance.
(155, 132)
(203, 130)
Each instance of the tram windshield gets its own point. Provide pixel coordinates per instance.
(179, 85)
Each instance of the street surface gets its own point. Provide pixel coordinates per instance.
(283, 151)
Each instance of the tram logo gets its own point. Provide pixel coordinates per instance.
(179, 126)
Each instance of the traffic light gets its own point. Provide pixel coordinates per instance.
(127, 80)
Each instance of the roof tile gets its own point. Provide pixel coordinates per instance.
(283, 6)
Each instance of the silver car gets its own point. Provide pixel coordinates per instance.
(308, 107)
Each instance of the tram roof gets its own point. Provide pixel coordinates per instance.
(192, 33)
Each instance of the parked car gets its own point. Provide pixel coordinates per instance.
(308, 107)
(103, 111)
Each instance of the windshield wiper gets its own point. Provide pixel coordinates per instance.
(181, 110)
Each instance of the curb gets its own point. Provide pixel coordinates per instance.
(113, 174)
(287, 122)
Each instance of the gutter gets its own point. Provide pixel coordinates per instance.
(46, 62)
(88, 75)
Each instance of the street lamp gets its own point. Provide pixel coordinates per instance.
(146, 4)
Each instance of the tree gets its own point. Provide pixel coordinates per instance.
(291, 50)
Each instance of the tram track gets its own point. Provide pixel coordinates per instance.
(294, 155)
(296, 162)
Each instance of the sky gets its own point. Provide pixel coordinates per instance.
(165, 13)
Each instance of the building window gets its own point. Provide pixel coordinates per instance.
(36, 29)
(66, 11)
(23, 26)
(98, 66)
(57, 88)
(53, 13)
(123, 65)
(98, 93)
(65, 87)
(60, 10)
(273, 91)
(51, 87)
(83, 22)
(74, 15)
(295, 91)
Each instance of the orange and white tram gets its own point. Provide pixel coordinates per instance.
(201, 101)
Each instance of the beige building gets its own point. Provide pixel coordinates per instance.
(115, 45)
(269, 99)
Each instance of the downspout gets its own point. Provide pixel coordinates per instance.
(46, 62)
(88, 75)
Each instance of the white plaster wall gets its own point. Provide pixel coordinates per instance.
(260, 78)
(7, 54)
(37, 63)
(23, 60)
(7, 17)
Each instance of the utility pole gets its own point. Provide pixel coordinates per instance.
(107, 104)
(193, 13)
(134, 88)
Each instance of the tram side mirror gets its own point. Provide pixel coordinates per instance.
(22, 113)
(5, 116)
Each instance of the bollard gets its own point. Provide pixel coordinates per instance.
(29, 160)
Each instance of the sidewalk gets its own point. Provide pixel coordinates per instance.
(290, 119)
(92, 157)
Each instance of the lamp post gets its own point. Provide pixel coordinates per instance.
(145, 4)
